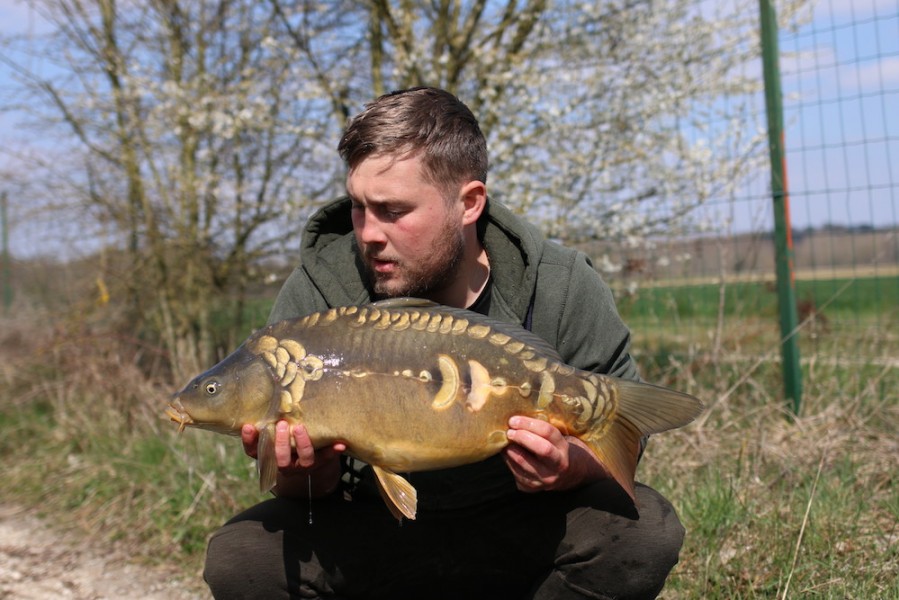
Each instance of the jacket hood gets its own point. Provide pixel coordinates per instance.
(514, 247)
(330, 257)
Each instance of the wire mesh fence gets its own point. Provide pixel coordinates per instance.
(715, 292)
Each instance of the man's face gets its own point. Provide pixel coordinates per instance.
(410, 238)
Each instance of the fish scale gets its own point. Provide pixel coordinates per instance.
(408, 385)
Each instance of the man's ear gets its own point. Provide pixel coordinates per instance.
(474, 198)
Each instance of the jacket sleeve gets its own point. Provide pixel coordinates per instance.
(589, 333)
(577, 305)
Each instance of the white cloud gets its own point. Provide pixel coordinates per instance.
(857, 8)
(880, 74)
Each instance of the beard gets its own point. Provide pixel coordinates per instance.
(424, 277)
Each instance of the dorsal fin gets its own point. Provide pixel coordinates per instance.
(520, 333)
(513, 330)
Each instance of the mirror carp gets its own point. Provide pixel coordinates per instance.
(409, 385)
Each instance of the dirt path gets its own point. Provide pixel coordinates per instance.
(36, 563)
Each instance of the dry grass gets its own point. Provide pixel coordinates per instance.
(780, 506)
(85, 442)
(775, 506)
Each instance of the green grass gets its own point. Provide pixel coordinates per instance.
(155, 495)
(746, 529)
(837, 299)
(253, 316)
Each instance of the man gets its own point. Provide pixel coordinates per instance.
(542, 519)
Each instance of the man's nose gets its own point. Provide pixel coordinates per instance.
(368, 228)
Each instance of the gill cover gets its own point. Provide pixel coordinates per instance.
(235, 391)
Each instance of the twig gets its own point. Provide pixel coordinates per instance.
(208, 483)
(808, 510)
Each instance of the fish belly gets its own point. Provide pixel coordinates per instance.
(393, 421)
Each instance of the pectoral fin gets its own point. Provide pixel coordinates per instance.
(266, 463)
(399, 495)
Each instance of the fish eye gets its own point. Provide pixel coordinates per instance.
(212, 387)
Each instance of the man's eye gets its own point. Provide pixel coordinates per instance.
(393, 213)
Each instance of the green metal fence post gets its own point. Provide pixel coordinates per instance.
(786, 291)
(5, 268)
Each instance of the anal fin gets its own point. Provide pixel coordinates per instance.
(399, 495)
(618, 450)
(642, 409)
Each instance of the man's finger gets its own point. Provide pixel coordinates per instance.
(538, 427)
(526, 479)
(250, 438)
(283, 449)
(538, 445)
(305, 451)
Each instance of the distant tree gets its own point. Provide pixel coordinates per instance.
(190, 141)
(200, 133)
(605, 120)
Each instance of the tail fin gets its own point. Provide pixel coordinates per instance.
(642, 409)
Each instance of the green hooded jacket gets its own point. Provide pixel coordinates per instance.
(552, 290)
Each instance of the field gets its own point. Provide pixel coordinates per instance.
(776, 505)
(739, 320)
(779, 506)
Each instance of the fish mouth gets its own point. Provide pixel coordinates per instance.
(175, 411)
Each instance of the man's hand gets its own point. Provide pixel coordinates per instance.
(298, 461)
(541, 458)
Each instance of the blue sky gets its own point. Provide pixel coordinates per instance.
(841, 87)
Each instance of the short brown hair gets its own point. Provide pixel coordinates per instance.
(424, 119)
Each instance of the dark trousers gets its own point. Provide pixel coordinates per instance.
(589, 543)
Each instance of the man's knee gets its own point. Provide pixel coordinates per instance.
(664, 529)
(617, 553)
(648, 547)
(243, 561)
